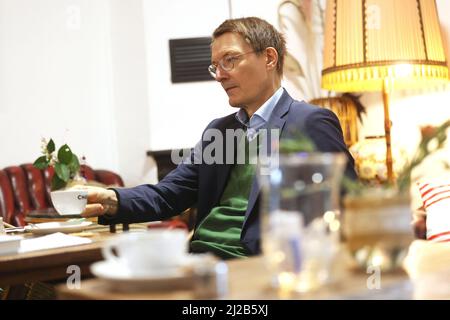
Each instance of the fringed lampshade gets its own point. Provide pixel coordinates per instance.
(381, 45)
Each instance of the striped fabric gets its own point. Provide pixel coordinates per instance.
(436, 201)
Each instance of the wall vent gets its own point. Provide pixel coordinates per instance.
(189, 59)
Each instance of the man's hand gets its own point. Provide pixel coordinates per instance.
(419, 224)
(100, 201)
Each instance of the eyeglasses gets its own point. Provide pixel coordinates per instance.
(226, 63)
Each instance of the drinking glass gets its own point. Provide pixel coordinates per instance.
(300, 218)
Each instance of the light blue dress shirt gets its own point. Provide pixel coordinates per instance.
(260, 117)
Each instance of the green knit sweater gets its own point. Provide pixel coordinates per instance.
(220, 231)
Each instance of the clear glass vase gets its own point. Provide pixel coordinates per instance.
(300, 218)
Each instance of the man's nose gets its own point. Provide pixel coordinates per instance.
(221, 74)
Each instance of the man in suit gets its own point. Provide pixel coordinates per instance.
(247, 57)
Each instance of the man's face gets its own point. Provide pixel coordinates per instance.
(248, 84)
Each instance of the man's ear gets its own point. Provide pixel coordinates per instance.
(271, 58)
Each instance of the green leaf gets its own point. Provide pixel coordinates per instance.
(65, 154)
(41, 163)
(57, 183)
(291, 145)
(74, 165)
(297, 142)
(62, 171)
(50, 146)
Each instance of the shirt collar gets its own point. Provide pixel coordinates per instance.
(263, 113)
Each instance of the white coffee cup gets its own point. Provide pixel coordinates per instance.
(153, 252)
(69, 202)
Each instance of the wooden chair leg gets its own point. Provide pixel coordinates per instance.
(16, 292)
(29, 291)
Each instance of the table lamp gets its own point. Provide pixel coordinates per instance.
(382, 45)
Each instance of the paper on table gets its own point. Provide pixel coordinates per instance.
(54, 240)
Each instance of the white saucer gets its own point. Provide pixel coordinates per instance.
(122, 279)
(58, 226)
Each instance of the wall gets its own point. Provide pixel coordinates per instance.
(130, 83)
(55, 79)
(178, 113)
(75, 71)
(263, 9)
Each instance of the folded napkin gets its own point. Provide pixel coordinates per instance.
(51, 241)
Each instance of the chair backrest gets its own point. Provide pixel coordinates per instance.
(20, 190)
(6, 198)
(36, 187)
(87, 172)
(25, 188)
(48, 176)
(108, 177)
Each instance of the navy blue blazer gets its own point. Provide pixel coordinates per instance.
(202, 185)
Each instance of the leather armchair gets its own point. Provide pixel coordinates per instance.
(20, 191)
(108, 178)
(39, 195)
(7, 209)
(24, 189)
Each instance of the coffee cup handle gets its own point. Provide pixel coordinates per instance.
(107, 251)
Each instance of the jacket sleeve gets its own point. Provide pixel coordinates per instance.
(171, 196)
(323, 127)
(175, 193)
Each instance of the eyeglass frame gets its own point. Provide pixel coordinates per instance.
(220, 63)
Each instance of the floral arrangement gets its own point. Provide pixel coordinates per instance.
(370, 159)
(432, 140)
(65, 163)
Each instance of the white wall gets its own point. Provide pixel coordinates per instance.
(55, 79)
(178, 113)
(263, 9)
(130, 85)
(75, 71)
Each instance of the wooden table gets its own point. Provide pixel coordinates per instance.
(248, 279)
(51, 264)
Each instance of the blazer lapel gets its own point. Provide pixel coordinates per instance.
(276, 121)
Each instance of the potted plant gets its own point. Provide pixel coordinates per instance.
(65, 163)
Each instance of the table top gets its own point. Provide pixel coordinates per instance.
(48, 214)
(249, 280)
(52, 264)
